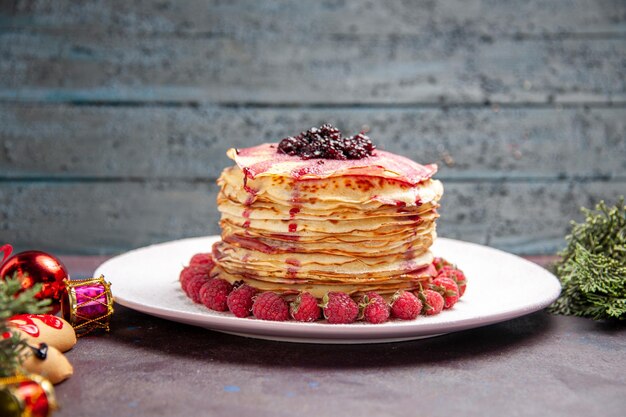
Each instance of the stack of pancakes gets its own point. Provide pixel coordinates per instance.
(291, 225)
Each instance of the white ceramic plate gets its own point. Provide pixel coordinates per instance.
(500, 287)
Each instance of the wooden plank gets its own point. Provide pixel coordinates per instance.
(483, 143)
(105, 217)
(320, 70)
(99, 218)
(250, 18)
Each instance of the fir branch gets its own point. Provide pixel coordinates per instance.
(593, 266)
(13, 302)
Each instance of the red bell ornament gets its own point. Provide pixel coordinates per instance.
(33, 267)
(26, 395)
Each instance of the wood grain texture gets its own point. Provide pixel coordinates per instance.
(227, 70)
(104, 217)
(468, 143)
(115, 115)
(302, 18)
(257, 52)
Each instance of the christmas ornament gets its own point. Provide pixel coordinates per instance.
(26, 395)
(32, 267)
(88, 304)
(48, 362)
(6, 252)
(38, 328)
(13, 301)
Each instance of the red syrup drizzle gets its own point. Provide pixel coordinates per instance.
(294, 266)
(401, 207)
(296, 204)
(293, 212)
(249, 243)
(251, 191)
(249, 200)
(410, 252)
(246, 215)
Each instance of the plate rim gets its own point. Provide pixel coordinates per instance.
(332, 333)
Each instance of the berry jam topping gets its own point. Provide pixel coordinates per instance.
(326, 142)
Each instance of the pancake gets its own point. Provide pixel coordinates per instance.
(318, 225)
(265, 160)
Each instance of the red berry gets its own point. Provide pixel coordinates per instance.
(433, 302)
(189, 272)
(240, 300)
(457, 275)
(193, 286)
(214, 293)
(339, 308)
(448, 289)
(374, 308)
(405, 305)
(185, 275)
(375, 296)
(270, 306)
(440, 263)
(305, 308)
(327, 142)
(202, 259)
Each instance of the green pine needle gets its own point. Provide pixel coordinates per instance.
(593, 266)
(13, 302)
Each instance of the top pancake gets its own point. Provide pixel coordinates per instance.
(265, 160)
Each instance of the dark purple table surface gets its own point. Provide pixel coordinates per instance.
(539, 364)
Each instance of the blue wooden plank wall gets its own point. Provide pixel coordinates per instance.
(115, 115)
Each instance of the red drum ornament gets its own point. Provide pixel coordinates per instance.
(26, 395)
(87, 304)
(33, 267)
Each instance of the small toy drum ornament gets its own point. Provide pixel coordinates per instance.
(26, 395)
(87, 304)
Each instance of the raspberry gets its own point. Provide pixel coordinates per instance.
(405, 305)
(185, 276)
(305, 308)
(433, 302)
(201, 259)
(374, 308)
(375, 296)
(214, 293)
(270, 306)
(193, 286)
(440, 263)
(448, 289)
(457, 275)
(189, 272)
(339, 308)
(240, 300)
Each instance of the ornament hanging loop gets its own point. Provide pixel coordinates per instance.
(6, 250)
